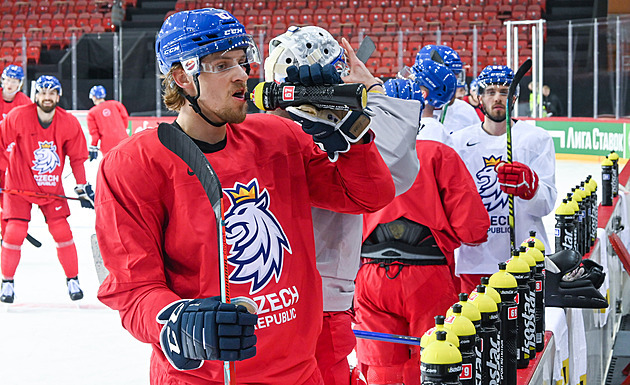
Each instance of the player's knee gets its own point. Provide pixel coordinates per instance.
(15, 232)
(60, 230)
(381, 375)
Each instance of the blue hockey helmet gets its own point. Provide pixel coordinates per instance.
(98, 92)
(495, 75)
(474, 86)
(449, 56)
(438, 80)
(187, 36)
(13, 71)
(47, 82)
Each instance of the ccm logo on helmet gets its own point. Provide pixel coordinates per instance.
(171, 50)
(234, 31)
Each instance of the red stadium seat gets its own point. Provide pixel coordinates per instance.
(534, 12)
(306, 16)
(33, 53)
(57, 20)
(18, 33)
(7, 21)
(519, 12)
(376, 14)
(461, 13)
(432, 14)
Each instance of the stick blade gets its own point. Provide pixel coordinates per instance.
(522, 70)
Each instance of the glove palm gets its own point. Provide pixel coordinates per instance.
(86, 194)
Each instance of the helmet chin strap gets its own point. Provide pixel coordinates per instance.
(195, 105)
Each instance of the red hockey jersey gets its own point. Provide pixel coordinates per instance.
(444, 198)
(107, 122)
(20, 99)
(37, 155)
(158, 238)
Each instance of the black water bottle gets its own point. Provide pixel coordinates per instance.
(593, 185)
(614, 158)
(539, 277)
(607, 194)
(505, 284)
(520, 270)
(467, 334)
(489, 337)
(573, 205)
(588, 208)
(564, 226)
(441, 362)
(578, 196)
(531, 326)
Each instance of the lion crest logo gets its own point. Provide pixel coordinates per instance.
(488, 185)
(46, 158)
(256, 238)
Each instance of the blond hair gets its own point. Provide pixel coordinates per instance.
(173, 96)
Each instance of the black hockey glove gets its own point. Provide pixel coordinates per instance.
(86, 194)
(206, 329)
(313, 75)
(92, 152)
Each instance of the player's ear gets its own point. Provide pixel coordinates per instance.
(181, 79)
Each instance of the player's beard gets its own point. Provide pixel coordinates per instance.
(46, 109)
(232, 115)
(495, 115)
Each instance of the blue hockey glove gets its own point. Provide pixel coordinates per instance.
(313, 75)
(93, 152)
(206, 329)
(406, 89)
(86, 194)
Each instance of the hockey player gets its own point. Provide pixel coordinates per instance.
(408, 247)
(473, 98)
(530, 177)
(457, 114)
(12, 80)
(338, 236)
(163, 260)
(41, 135)
(107, 122)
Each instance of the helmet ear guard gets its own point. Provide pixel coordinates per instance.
(439, 81)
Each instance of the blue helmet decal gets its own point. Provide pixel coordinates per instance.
(98, 92)
(439, 81)
(13, 71)
(48, 82)
(494, 74)
(191, 35)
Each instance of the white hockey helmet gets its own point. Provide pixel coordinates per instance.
(303, 46)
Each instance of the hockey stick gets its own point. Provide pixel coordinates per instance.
(436, 57)
(621, 250)
(522, 70)
(385, 337)
(37, 194)
(33, 241)
(182, 146)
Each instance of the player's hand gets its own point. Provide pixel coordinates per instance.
(206, 329)
(359, 73)
(92, 152)
(517, 179)
(323, 126)
(313, 75)
(86, 194)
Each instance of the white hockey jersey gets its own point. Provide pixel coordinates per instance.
(432, 129)
(458, 115)
(338, 236)
(480, 151)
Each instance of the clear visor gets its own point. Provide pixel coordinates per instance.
(406, 73)
(227, 62)
(461, 78)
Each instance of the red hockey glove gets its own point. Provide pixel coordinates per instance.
(517, 179)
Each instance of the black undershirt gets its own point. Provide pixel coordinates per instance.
(205, 147)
